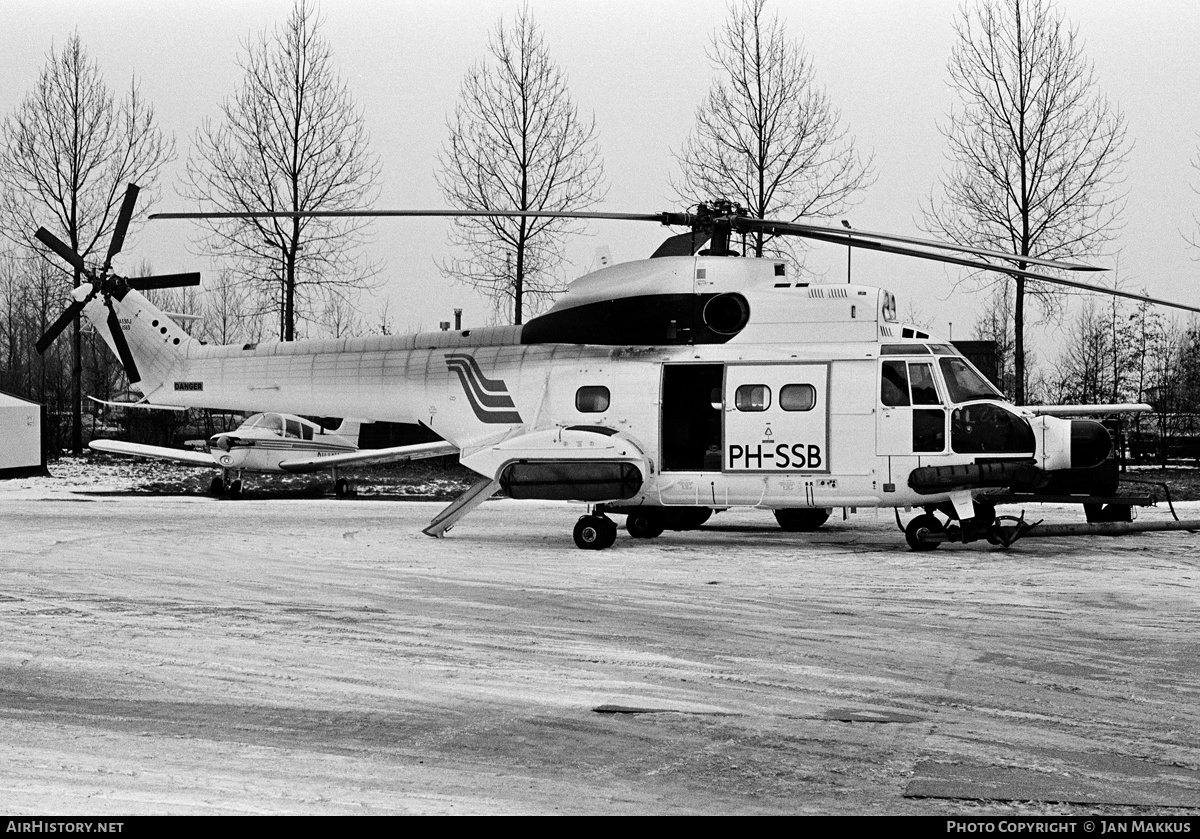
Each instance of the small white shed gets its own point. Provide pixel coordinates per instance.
(20, 437)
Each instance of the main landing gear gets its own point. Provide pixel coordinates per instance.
(221, 485)
(597, 531)
(927, 531)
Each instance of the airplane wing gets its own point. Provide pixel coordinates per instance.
(191, 458)
(1089, 410)
(367, 456)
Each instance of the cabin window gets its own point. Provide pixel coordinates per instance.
(752, 398)
(306, 431)
(893, 384)
(797, 397)
(592, 399)
(272, 422)
(293, 428)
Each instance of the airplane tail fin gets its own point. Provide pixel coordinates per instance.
(156, 343)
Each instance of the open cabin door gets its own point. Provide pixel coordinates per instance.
(691, 417)
(777, 417)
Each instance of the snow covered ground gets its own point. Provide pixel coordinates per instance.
(180, 654)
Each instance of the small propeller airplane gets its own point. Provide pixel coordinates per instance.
(270, 442)
(667, 388)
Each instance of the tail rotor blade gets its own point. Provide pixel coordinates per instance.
(123, 217)
(118, 336)
(164, 281)
(56, 329)
(61, 248)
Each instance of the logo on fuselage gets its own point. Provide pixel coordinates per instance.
(489, 398)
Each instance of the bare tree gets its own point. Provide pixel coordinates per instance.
(68, 151)
(291, 140)
(517, 142)
(1036, 149)
(767, 137)
(995, 324)
(226, 311)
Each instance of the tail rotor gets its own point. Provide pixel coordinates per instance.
(103, 282)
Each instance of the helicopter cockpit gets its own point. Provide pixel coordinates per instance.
(933, 379)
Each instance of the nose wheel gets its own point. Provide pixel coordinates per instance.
(594, 533)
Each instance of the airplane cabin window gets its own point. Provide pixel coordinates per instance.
(592, 399)
(293, 428)
(797, 397)
(893, 384)
(272, 422)
(752, 398)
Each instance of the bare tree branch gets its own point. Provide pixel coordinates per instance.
(767, 137)
(517, 142)
(292, 139)
(67, 153)
(1036, 150)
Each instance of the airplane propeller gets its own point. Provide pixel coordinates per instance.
(717, 221)
(104, 282)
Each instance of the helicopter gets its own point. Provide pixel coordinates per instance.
(665, 389)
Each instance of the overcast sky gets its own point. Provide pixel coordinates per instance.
(641, 68)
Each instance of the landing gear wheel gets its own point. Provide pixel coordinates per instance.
(918, 528)
(801, 520)
(217, 486)
(644, 525)
(594, 533)
(343, 488)
(235, 489)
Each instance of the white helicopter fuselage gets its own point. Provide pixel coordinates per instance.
(774, 395)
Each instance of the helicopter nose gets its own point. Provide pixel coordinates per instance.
(1090, 444)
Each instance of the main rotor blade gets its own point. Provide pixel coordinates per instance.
(123, 217)
(847, 236)
(61, 248)
(661, 218)
(1002, 269)
(56, 328)
(118, 336)
(164, 281)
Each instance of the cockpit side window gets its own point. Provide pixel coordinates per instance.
(924, 391)
(272, 422)
(893, 384)
(293, 429)
(965, 383)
